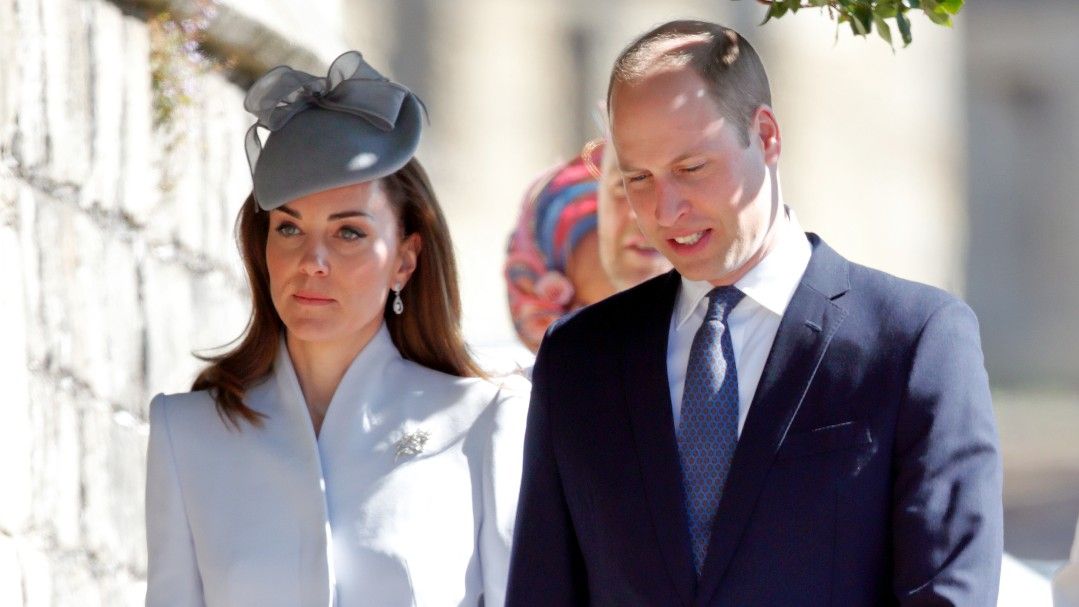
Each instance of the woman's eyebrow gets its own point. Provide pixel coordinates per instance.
(287, 211)
(344, 214)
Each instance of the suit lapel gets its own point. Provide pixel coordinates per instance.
(806, 329)
(648, 399)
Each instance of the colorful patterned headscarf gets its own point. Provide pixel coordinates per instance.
(558, 210)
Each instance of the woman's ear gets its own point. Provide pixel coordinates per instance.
(408, 254)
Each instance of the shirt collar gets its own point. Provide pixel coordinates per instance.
(771, 283)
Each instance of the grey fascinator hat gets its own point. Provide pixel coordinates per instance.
(354, 125)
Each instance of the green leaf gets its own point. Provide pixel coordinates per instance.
(776, 10)
(861, 19)
(939, 17)
(904, 27)
(794, 5)
(951, 7)
(859, 28)
(884, 31)
(887, 9)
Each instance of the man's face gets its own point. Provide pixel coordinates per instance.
(702, 197)
(626, 256)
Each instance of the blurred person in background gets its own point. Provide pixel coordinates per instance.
(348, 450)
(575, 243)
(628, 258)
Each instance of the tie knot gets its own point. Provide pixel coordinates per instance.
(721, 300)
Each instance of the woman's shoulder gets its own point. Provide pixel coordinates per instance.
(181, 408)
(181, 401)
(199, 403)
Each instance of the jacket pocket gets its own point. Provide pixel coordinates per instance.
(835, 437)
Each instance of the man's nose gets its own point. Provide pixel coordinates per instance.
(670, 205)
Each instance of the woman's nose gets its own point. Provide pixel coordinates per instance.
(314, 260)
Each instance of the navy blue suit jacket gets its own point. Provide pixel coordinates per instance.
(867, 472)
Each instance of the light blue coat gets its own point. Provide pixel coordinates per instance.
(273, 516)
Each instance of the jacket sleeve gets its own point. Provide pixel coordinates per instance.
(1066, 581)
(547, 567)
(947, 512)
(172, 575)
(501, 484)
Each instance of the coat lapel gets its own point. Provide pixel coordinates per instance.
(805, 331)
(648, 399)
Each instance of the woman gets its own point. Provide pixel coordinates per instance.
(346, 452)
(553, 262)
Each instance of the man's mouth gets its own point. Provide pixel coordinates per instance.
(689, 239)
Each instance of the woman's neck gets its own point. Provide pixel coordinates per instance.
(321, 365)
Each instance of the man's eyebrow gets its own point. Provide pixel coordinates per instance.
(680, 158)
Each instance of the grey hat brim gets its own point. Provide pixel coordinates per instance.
(320, 149)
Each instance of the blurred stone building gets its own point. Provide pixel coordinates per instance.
(121, 170)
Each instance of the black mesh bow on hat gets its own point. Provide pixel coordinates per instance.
(352, 126)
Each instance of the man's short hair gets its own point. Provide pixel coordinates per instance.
(725, 60)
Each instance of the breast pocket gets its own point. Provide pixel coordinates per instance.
(836, 437)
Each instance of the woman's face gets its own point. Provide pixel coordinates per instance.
(332, 258)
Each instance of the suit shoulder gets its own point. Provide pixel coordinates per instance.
(614, 314)
(905, 300)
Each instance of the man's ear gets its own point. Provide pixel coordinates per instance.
(766, 128)
(408, 254)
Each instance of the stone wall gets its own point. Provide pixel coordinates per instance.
(116, 248)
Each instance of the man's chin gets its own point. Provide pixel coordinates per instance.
(704, 272)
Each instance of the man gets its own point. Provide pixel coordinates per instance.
(769, 424)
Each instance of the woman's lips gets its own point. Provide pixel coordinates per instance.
(312, 299)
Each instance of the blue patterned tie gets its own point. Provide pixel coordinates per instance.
(708, 429)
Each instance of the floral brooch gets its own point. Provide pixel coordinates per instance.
(410, 444)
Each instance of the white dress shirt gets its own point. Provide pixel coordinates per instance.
(275, 516)
(753, 323)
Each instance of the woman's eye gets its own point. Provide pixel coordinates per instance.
(636, 178)
(694, 168)
(351, 234)
(287, 229)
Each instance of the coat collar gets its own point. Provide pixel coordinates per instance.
(354, 400)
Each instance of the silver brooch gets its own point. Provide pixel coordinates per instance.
(410, 444)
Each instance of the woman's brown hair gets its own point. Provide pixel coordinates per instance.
(428, 333)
